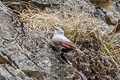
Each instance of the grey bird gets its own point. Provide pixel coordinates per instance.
(61, 40)
(63, 44)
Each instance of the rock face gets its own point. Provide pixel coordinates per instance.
(13, 40)
(118, 6)
(2, 77)
(25, 55)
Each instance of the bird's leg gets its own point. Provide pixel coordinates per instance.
(62, 55)
(63, 58)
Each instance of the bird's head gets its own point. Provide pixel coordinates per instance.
(58, 30)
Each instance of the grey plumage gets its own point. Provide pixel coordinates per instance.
(59, 36)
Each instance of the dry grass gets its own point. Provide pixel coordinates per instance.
(105, 4)
(76, 24)
(79, 24)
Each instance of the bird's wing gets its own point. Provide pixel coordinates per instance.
(62, 40)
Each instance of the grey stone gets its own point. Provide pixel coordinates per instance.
(2, 77)
(118, 6)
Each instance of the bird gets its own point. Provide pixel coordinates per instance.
(62, 43)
